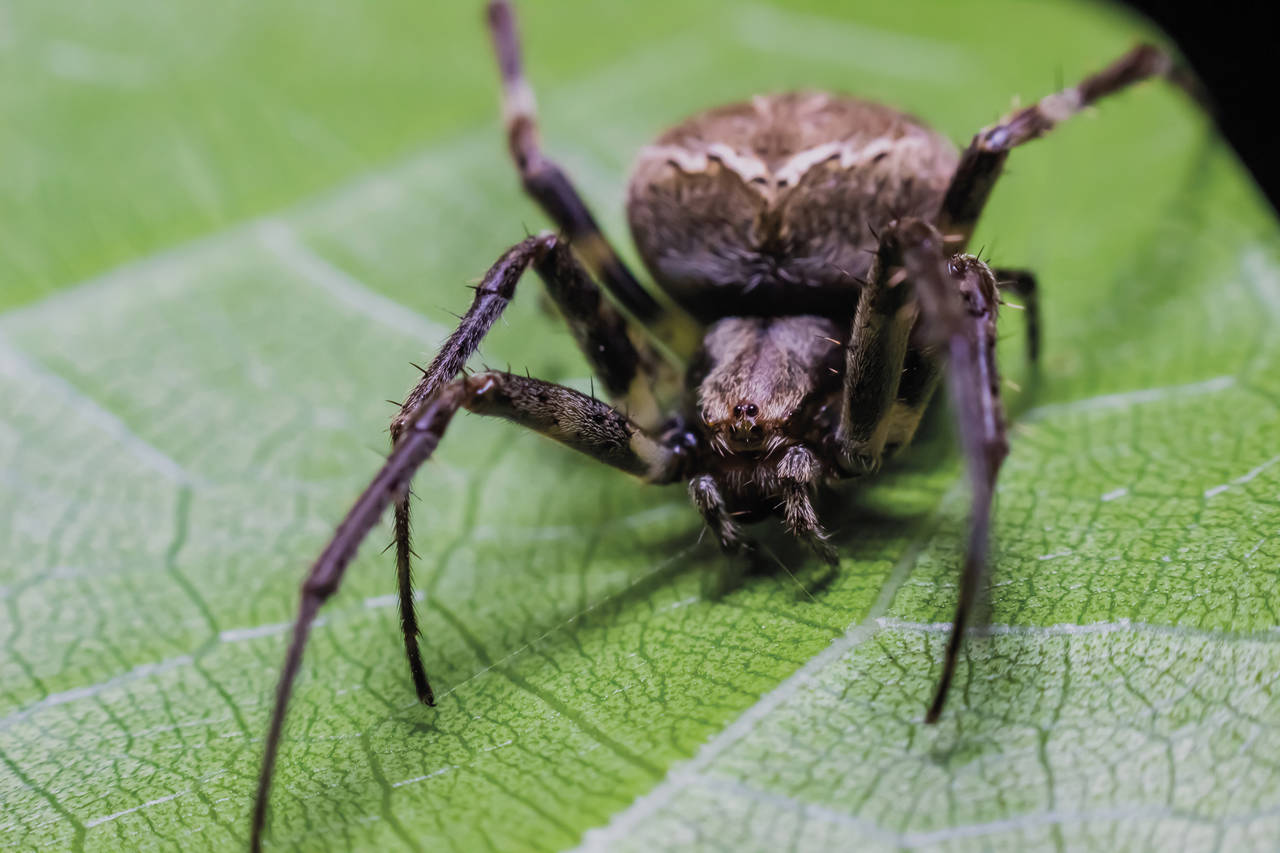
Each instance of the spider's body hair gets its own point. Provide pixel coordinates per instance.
(760, 377)
(763, 390)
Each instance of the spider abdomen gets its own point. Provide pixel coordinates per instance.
(769, 206)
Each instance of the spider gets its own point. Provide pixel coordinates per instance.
(816, 243)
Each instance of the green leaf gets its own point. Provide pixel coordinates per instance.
(227, 230)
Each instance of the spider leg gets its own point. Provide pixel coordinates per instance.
(419, 439)
(409, 629)
(706, 498)
(551, 188)
(984, 159)
(634, 373)
(627, 364)
(546, 182)
(1022, 283)
(798, 472)
(958, 315)
(576, 420)
(492, 295)
(874, 363)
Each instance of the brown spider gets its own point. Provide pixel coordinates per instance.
(817, 241)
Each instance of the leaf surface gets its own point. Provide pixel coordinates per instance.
(229, 228)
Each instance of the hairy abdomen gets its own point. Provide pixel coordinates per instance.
(769, 206)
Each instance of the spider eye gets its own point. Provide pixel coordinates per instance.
(737, 411)
(752, 411)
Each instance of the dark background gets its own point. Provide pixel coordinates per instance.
(1233, 51)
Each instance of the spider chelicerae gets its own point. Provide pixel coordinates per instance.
(815, 243)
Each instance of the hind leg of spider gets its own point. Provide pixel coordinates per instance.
(983, 161)
(630, 369)
(573, 419)
(1022, 284)
(958, 303)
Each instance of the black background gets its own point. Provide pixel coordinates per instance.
(1235, 51)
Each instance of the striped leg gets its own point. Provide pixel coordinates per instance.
(547, 183)
(634, 373)
(893, 364)
(984, 160)
(554, 192)
(877, 351)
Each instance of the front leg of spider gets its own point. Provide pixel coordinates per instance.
(918, 304)
(958, 299)
(584, 423)
(491, 298)
(628, 366)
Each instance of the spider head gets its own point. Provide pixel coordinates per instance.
(756, 375)
(745, 426)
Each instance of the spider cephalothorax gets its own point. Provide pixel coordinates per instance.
(815, 243)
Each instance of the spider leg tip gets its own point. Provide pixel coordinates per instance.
(934, 713)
